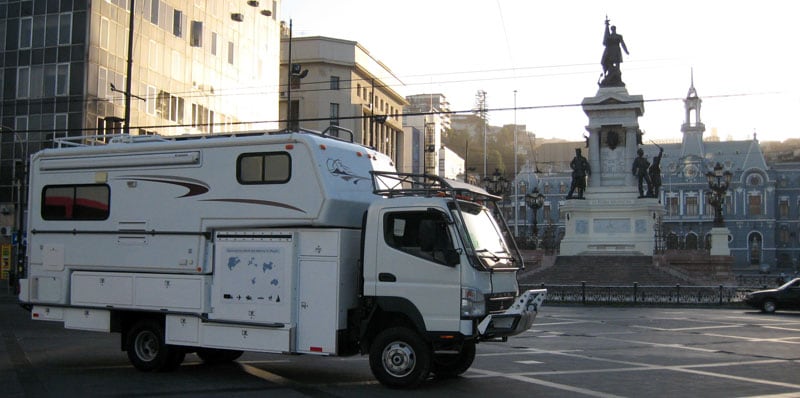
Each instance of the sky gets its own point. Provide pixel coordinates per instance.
(742, 55)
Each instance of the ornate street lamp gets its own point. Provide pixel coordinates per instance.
(495, 184)
(718, 182)
(535, 201)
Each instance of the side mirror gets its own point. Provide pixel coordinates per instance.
(451, 257)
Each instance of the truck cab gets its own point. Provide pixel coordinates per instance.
(437, 262)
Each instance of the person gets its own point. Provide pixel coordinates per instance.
(655, 173)
(580, 170)
(639, 169)
(612, 56)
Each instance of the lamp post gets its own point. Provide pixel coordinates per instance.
(718, 182)
(496, 183)
(535, 200)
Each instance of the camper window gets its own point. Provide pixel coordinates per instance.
(75, 202)
(264, 168)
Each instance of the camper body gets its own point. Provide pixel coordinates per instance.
(295, 243)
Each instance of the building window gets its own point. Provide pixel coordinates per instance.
(754, 205)
(176, 109)
(196, 35)
(177, 23)
(264, 168)
(25, 32)
(672, 206)
(692, 209)
(65, 28)
(335, 83)
(334, 114)
(783, 208)
(154, 12)
(150, 100)
(104, 33)
(109, 125)
(213, 43)
(162, 104)
(153, 50)
(783, 235)
(102, 82)
(546, 212)
(754, 180)
(230, 52)
(23, 82)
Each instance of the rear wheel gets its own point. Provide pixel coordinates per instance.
(451, 365)
(400, 358)
(768, 306)
(147, 350)
(214, 356)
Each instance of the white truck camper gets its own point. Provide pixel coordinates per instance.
(284, 242)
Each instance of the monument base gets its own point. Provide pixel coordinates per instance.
(610, 221)
(719, 242)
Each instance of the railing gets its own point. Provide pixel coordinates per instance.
(644, 295)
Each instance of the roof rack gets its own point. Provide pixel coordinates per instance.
(333, 132)
(392, 184)
(103, 139)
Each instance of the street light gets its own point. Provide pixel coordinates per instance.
(496, 183)
(718, 182)
(535, 200)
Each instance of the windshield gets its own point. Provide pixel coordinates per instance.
(486, 237)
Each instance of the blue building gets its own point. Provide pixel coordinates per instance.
(761, 207)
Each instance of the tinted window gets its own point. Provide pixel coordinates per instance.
(264, 168)
(75, 202)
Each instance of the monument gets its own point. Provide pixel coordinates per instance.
(613, 217)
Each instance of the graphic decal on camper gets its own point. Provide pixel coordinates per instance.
(195, 187)
(339, 169)
(256, 202)
(261, 270)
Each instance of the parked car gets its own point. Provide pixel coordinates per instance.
(785, 297)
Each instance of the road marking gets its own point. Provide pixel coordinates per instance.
(550, 384)
(785, 340)
(529, 362)
(688, 329)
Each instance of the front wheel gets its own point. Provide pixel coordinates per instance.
(768, 306)
(451, 365)
(400, 358)
(147, 350)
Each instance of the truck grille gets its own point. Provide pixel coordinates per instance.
(499, 302)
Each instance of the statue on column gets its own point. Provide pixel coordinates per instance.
(612, 57)
(640, 169)
(580, 170)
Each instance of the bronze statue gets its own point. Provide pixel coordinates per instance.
(655, 173)
(612, 57)
(580, 170)
(640, 170)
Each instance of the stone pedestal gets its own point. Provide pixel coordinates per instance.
(610, 222)
(612, 219)
(719, 241)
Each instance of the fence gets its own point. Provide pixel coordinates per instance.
(635, 294)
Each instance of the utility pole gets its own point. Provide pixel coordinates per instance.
(129, 71)
(516, 185)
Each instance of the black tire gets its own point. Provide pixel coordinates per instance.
(452, 365)
(147, 350)
(215, 356)
(768, 306)
(400, 358)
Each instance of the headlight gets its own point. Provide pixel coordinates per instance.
(473, 304)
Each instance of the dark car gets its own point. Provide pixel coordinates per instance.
(785, 297)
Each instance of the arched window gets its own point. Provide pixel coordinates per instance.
(691, 241)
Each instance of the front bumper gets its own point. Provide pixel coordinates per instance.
(515, 320)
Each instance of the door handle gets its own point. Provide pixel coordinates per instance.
(387, 277)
